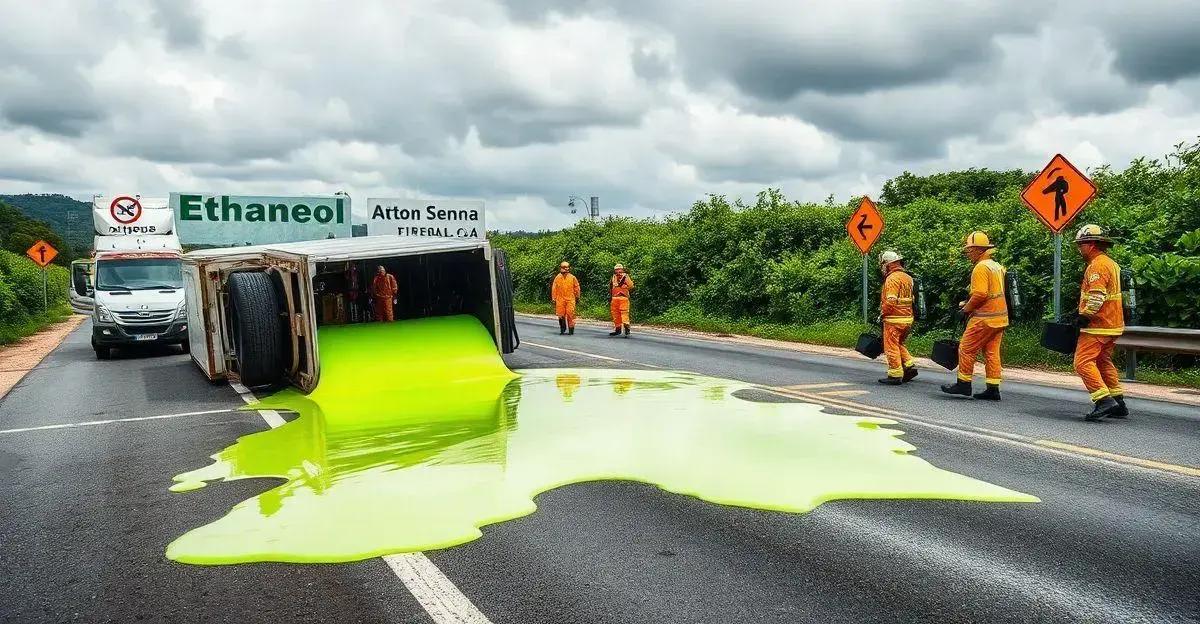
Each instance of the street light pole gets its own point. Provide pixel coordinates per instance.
(593, 205)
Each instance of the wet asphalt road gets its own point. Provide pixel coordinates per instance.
(85, 514)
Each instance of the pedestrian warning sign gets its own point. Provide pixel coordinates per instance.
(865, 225)
(1058, 193)
(42, 253)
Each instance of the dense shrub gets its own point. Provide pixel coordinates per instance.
(786, 262)
(21, 288)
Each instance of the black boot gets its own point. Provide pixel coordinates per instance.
(615, 332)
(992, 393)
(960, 387)
(627, 330)
(571, 330)
(910, 373)
(562, 326)
(891, 381)
(1104, 407)
(1121, 411)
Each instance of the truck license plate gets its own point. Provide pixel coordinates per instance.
(140, 337)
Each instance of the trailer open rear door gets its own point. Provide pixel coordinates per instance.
(509, 340)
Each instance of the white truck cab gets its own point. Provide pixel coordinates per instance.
(137, 282)
(255, 310)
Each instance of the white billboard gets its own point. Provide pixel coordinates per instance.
(129, 214)
(446, 218)
(226, 220)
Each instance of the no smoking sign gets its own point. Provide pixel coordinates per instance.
(125, 209)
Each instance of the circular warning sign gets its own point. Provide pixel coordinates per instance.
(125, 209)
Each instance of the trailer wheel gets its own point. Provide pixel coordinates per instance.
(257, 328)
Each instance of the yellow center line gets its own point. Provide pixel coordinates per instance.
(1053, 446)
(1050, 446)
(843, 393)
(815, 386)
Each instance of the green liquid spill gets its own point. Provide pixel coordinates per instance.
(418, 435)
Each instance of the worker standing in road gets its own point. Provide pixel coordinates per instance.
(987, 317)
(564, 292)
(896, 311)
(619, 288)
(383, 293)
(1101, 319)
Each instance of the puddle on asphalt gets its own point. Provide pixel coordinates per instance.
(418, 435)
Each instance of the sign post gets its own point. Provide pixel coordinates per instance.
(865, 227)
(1056, 196)
(42, 253)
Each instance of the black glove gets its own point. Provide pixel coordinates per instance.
(1082, 321)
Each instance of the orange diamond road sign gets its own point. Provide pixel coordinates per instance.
(42, 253)
(1058, 193)
(865, 225)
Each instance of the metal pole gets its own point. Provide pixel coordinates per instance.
(865, 321)
(45, 300)
(1058, 278)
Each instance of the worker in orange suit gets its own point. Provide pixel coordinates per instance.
(564, 292)
(896, 312)
(383, 294)
(619, 288)
(1101, 319)
(987, 317)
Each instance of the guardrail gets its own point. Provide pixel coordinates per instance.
(1162, 339)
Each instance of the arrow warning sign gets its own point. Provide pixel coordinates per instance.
(865, 225)
(42, 253)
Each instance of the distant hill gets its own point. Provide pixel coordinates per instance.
(18, 233)
(71, 218)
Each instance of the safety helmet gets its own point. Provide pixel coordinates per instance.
(978, 239)
(564, 265)
(619, 267)
(889, 257)
(1091, 233)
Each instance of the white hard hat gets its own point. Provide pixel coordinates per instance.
(889, 257)
(1091, 233)
(619, 266)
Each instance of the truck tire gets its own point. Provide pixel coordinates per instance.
(102, 352)
(257, 328)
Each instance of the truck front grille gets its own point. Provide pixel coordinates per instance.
(145, 317)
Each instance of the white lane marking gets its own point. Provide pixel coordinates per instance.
(438, 595)
(572, 352)
(815, 386)
(92, 423)
(441, 599)
(271, 416)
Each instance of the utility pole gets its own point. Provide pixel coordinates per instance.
(593, 205)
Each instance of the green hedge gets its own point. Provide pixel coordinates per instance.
(785, 262)
(21, 309)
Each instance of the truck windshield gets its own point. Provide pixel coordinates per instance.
(139, 274)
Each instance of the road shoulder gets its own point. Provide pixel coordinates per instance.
(17, 359)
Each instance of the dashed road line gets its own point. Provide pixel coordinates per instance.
(93, 423)
(436, 593)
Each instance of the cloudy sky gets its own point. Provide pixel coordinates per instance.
(525, 102)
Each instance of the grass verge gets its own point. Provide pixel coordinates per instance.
(1021, 348)
(13, 331)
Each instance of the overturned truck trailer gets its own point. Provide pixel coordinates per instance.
(255, 310)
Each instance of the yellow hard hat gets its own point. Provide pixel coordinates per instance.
(564, 265)
(978, 239)
(1091, 233)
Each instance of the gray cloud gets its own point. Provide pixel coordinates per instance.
(180, 22)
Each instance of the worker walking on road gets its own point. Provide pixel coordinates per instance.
(987, 317)
(564, 292)
(896, 311)
(619, 288)
(1101, 319)
(383, 293)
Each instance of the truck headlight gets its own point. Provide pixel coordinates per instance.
(181, 313)
(103, 315)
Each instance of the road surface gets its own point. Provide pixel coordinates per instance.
(86, 514)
